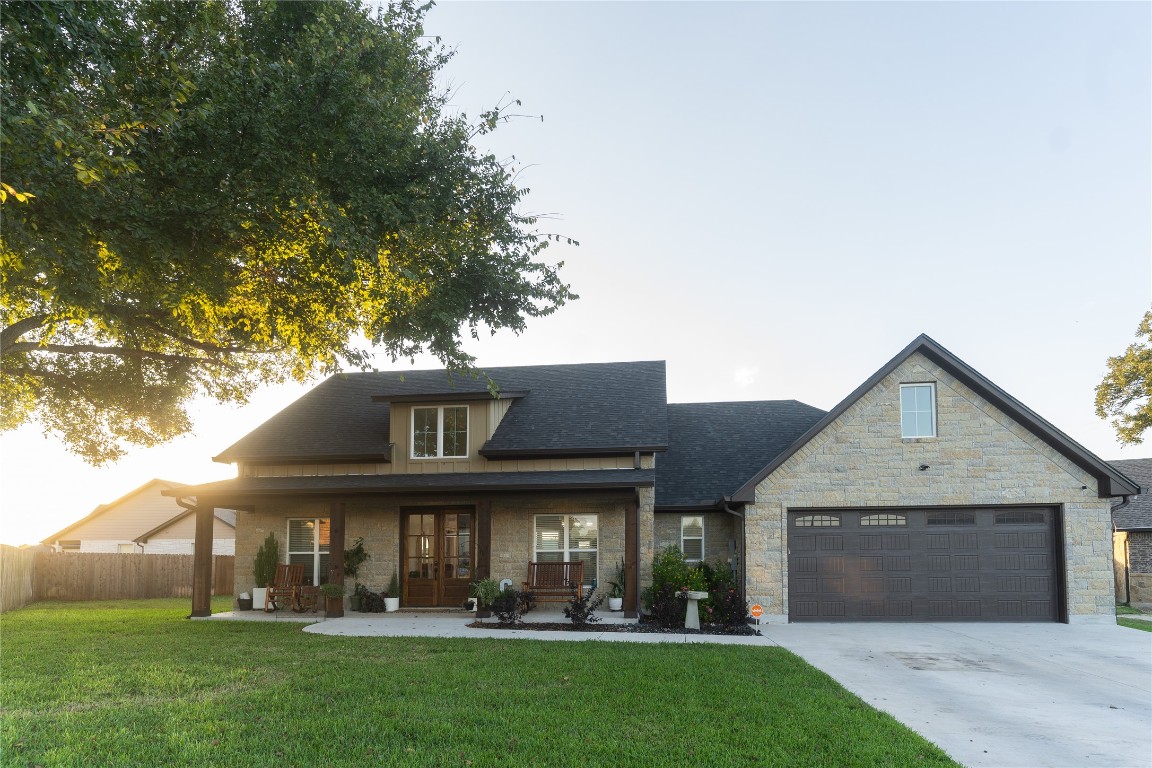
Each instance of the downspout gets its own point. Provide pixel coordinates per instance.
(1127, 574)
(725, 503)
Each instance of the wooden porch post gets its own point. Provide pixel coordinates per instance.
(631, 560)
(202, 562)
(483, 540)
(334, 607)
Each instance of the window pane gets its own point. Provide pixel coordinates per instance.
(456, 431)
(549, 534)
(693, 549)
(424, 426)
(301, 535)
(325, 532)
(589, 558)
(583, 533)
(692, 527)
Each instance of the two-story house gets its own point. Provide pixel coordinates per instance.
(928, 494)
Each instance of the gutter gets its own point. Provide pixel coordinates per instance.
(1127, 564)
(725, 504)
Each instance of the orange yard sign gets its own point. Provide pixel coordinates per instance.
(757, 611)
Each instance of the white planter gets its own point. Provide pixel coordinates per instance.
(391, 604)
(259, 594)
(615, 603)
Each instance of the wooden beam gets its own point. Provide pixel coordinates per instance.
(631, 560)
(483, 540)
(202, 562)
(334, 607)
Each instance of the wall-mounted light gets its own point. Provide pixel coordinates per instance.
(924, 467)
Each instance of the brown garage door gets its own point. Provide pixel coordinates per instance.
(970, 564)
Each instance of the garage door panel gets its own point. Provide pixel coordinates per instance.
(988, 564)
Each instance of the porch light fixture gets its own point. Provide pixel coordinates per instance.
(924, 467)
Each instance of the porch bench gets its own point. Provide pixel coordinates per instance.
(555, 582)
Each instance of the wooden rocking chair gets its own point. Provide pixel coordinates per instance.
(285, 587)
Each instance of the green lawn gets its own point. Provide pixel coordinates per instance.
(1135, 624)
(133, 683)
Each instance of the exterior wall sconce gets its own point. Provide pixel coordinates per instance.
(924, 467)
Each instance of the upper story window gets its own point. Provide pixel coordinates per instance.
(918, 410)
(440, 432)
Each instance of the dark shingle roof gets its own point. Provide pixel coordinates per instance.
(560, 409)
(456, 481)
(714, 448)
(1138, 514)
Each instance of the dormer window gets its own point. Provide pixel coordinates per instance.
(440, 432)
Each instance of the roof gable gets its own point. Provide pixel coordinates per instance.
(104, 509)
(1110, 482)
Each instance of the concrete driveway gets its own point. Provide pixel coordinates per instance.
(1036, 695)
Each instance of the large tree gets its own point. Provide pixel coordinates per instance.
(201, 197)
(1125, 394)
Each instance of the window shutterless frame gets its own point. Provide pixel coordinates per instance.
(439, 432)
(692, 537)
(918, 410)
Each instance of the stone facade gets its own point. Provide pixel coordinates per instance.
(377, 520)
(720, 528)
(1139, 568)
(979, 457)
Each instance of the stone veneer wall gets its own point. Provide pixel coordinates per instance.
(377, 520)
(979, 457)
(719, 529)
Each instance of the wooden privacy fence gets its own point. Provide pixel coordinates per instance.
(15, 577)
(98, 576)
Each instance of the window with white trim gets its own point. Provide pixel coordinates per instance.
(568, 538)
(918, 410)
(126, 549)
(440, 432)
(308, 541)
(692, 537)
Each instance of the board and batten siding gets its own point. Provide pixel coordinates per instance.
(979, 457)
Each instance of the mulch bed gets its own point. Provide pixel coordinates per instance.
(642, 628)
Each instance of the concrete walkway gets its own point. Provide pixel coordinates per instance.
(990, 695)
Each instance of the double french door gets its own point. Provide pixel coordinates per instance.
(439, 556)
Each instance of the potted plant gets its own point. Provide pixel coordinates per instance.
(354, 557)
(264, 569)
(485, 591)
(392, 594)
(616, 594)
(331, 592)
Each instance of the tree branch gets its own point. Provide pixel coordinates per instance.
(11, 333)
(145, 354)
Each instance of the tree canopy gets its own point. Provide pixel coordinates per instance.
(1124, 394)
(198, 198)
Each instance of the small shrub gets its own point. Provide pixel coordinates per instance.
(267, 557)
(511, 605)
(666, 606)
(393, 586)
(485, 591)
(727, 609)
(370, 602)
(354, 557)
(581, 609)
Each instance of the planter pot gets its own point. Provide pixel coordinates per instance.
(483, 613)
(391, 604)
(615, 603)
(258, 597)
(243, 603)
(354, 602)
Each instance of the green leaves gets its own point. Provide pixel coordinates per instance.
(221, 194)
(1124, 392)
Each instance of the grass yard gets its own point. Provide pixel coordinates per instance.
(133, 683)
(1135, 624)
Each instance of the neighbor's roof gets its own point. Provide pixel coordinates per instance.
(103, 508)
(1137, 516)
(242, 489)
(1109, 481)
(715, 447)
(226, 516)
(577, 409)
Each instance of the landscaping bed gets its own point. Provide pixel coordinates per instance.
(642, 627)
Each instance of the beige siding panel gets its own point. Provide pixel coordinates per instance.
(980, 457)
(133, 516)
(185, 528)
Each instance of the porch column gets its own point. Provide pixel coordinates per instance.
(202, 562)
(334, 607)
(631, 560)
(483, 540)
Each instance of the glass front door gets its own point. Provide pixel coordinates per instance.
(438, 556)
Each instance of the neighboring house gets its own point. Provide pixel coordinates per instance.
(1132, 552)
(143, 521)
(928, 494)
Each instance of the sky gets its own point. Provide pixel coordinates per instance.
(776, 198)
